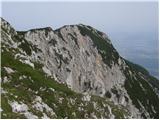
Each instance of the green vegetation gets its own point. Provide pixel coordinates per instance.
(37, 76)
(144, 92)
(26, 48)
(25, 45)
(7, 110)
(37, 84)
(136, 67)
(26, 83)
(106, 49)
(154, 82)
(118, 114)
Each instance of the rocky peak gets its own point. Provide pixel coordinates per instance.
(7, 27)
(85, 60)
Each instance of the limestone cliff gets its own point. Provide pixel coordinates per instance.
(84, 60)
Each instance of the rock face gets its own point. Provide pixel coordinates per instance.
(85, 60)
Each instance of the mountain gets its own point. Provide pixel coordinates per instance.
(71, 72)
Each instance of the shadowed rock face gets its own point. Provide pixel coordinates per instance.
(85, 59)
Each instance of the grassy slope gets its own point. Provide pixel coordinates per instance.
(135, 90)
(37, 79)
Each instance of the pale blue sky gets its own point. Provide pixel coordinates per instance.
(106, 16)
(132, 26)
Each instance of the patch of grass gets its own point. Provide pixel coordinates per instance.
(119, 114)
(7, 110)
(37, 76)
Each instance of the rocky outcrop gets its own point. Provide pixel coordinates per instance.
(85, 60)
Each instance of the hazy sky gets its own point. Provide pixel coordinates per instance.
(106, 16)
(132, 26)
